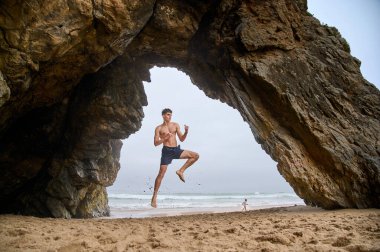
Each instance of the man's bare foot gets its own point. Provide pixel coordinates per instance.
(153, 203)
(180, 175)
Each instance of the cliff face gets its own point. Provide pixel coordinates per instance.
(71, 77)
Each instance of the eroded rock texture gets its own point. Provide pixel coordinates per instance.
(71, 77)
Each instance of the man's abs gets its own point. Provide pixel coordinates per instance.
(171, 142)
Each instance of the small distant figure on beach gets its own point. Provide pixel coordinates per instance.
(165, 134)
(245, 204)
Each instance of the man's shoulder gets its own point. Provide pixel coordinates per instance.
(158, 127)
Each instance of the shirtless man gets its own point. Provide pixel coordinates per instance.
(165, 134)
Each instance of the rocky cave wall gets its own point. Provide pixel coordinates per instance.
(71, 77)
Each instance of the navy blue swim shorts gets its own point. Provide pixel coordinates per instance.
(170, 153)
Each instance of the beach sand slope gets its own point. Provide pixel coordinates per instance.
(298, 228)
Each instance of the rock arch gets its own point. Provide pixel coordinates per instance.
(71, 77)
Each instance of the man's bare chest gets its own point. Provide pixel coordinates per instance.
(167, 129)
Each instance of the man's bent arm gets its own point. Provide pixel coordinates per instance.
(157, 140)
(181, 136)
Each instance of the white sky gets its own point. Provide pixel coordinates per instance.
(230, 159)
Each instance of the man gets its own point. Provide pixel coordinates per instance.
(165, 134)
(245, 205)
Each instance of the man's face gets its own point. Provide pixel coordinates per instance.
(167, 117)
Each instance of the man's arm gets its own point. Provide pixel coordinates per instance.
(157, 140)
(181, 136)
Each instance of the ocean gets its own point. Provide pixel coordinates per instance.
(138, 205)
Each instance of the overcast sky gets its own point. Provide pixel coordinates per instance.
(230, 159)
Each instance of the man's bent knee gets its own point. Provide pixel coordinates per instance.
(195, 156)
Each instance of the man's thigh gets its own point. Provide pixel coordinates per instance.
(187, 154)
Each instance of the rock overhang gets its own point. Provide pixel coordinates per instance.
(73, 87)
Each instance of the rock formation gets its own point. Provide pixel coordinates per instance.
(71, 77)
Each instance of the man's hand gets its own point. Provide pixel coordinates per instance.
(186, 128)
(167, 136)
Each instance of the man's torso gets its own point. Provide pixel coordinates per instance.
(163, 130)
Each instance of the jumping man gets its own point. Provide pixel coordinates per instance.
(165, 134)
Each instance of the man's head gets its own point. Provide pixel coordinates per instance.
(167, 114)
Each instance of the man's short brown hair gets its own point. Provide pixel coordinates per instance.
(166, 110)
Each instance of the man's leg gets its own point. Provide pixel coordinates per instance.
(191, 157)
(157, 184)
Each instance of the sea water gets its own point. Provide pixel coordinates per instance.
(124, 204)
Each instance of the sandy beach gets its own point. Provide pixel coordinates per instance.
(296, 228)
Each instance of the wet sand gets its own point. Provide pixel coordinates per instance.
(297, 228)
(163, 212)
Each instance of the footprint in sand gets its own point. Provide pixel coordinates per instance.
(275, 239)
(18, 232)
(230, 230)
(73, 247)
(341, 242)
(215, 234)
(298, 233)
